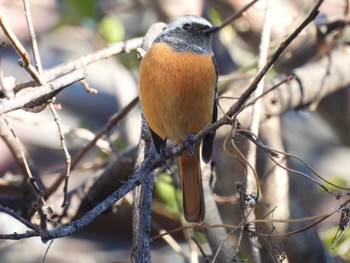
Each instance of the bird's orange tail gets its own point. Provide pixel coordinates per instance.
(193, 199)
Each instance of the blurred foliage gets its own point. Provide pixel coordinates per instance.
(339, 247)
(111, 28)
(214, 17)
(77, 12)
(338, 180)
(108, 26)
(85, 13)
(165, 191)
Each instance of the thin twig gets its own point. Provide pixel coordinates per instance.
(171, 242)
(18, 218)
(182, 228)
(238, 14)
(23, 54)
(275, 86)
(65, 151)
(86, 86)
(16, 236)
(200, 248)
(21, 157)
(223, 241)
(34, 43)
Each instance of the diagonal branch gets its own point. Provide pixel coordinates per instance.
(41, 93)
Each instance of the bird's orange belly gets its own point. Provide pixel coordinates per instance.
(176, 91)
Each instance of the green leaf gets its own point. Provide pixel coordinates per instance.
(111, 29)
(166, 192)
(337, 180)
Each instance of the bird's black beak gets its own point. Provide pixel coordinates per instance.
(211, 30)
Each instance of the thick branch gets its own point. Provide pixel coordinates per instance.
(36, 95)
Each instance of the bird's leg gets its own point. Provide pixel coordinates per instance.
(164, 151)
(161, 148)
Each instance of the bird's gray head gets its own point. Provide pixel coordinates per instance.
(188, 34)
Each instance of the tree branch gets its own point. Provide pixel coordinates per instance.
(42, 93)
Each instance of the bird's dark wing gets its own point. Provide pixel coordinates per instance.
(208, 140)
(157, 141)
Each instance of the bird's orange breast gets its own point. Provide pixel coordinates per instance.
(176, 91)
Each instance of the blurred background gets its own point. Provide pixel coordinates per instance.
(69, 29)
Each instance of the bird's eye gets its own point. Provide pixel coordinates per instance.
(186, 27)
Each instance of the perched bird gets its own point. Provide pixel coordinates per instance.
(177, 90)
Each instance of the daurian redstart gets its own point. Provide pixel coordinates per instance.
(177, 89)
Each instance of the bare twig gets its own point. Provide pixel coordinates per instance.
(225, 242)
(35, 183)
(169, 240)
(203, 226)
(200, 249)
(16, 236)
(86, 86)
(283, 81)
(7, 135)
(65, 150)
(18, 218)
(35, 48)
(238, 14)
(23, 54)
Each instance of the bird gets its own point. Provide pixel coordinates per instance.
(178, 95)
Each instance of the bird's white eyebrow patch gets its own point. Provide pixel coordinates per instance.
(180, 21)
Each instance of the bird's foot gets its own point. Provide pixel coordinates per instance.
(189, 143)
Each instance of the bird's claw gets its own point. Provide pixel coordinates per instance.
(189, 144)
